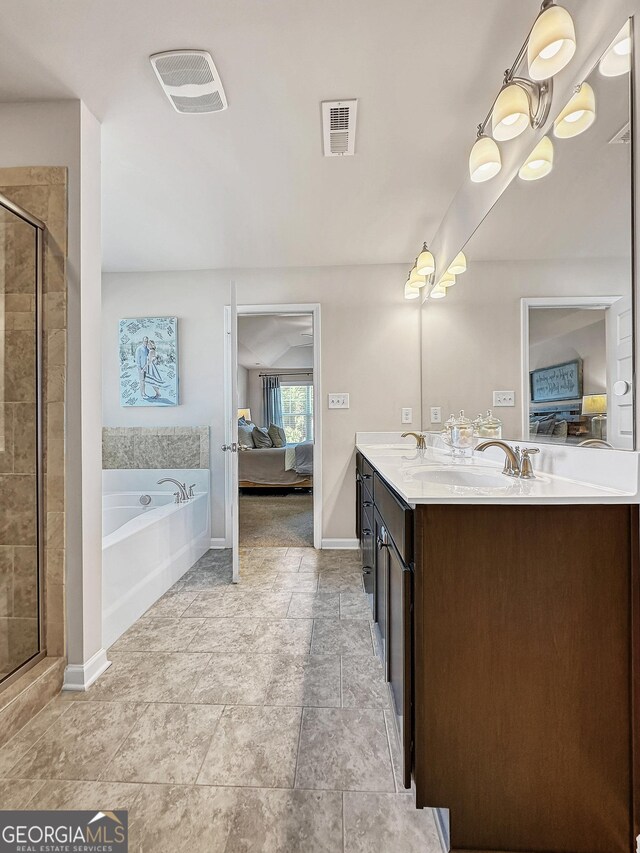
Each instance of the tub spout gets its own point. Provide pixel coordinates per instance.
(182, 489)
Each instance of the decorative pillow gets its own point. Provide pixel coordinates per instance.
(278, 436)
(546, 425)
(245, 434)
(533, 428)
(560, 429)
(261, 437)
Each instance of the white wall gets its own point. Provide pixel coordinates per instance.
(471, 341)
(243, 387)
(65, 133)
(370, 348)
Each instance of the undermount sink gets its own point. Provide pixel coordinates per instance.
(469, 477)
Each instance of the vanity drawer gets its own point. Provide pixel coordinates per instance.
(365, 471)
(397, 517)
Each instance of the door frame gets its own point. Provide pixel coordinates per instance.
(591, 302)
(312, 308)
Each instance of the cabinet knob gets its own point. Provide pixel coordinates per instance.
(366, 532)
(366, 570)
(367, 503)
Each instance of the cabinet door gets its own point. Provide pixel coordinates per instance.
(381, 586)
(400, 654)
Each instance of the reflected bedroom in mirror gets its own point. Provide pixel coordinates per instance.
(539, 329)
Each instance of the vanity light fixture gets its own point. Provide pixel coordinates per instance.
(438, 292)
(417, 280)
(447, 280)
(617, 59)
(411, 292)
(511, 113)
(459, 264)
(539, 163)
(425, 264)
(578, 115)
(484, 161)
(551, 43)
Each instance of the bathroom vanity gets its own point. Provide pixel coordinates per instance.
(507, 619)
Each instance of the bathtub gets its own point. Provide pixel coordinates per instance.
(146, 549)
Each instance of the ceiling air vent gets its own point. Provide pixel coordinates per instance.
(190, 80)
(339, 127)
(623, 136)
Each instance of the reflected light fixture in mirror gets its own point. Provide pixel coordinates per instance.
(411, 292)
(511, 113)
(438, 292)
(578, 115)
(447, 280)
(484, 161)
(552, 42)
(459, 264)
(539, 163)
(417, 280)
(425, 265)
(617, 59)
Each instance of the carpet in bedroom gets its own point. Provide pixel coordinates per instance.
(270, 520)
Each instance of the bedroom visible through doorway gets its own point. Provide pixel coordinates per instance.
(276, 426)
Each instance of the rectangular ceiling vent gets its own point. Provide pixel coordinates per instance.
(623, 136)
(339, 127)
(190, 81)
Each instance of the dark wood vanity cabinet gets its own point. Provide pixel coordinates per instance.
(511, 643)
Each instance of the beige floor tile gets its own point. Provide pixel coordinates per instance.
(171, 605)
(340, 581)
(253, 746)
(14, 749)
(305, 582)
(149, 677)
(80, 743)
(103, 796)
(363, 683)
(226, 635)
(167, 745)
(305, 680)
(283, 636)
(209, 605)
(260, 605)
(387, 823)
(394, 747)
(355, 605)
(235, 679)
(341, 637)
(287, 564)
(344, 749)
(158, 635)
(17, 793)
(305, 605)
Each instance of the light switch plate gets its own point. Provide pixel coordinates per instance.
(436, 414)
(338, 401)
(504, 398)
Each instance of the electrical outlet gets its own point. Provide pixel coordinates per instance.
(407, 416)
(436, 414)
(504, 398)
(338, 401)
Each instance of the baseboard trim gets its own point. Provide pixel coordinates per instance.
(80, 676)
(218, 543)
(341, 544)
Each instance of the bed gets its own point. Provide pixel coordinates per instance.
(277, 467)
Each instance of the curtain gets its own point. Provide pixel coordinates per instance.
(272, 401)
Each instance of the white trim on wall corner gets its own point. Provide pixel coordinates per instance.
(220, 542)
(80, 677)
(341, 544)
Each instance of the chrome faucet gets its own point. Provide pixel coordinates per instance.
(516, 464)
(182, 489)
(421, 444)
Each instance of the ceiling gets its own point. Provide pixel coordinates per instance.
(249, 187)
(275, 341)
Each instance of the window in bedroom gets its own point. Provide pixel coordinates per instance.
(297, 412)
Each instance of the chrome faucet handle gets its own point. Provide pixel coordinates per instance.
(177, 497)
(526, 468)
(191, 492)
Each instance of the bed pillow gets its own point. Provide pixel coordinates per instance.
(261, 437)
(560, 430)
(278, 436)
(546, 425)
(245, 434)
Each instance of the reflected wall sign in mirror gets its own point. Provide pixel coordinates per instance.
(545, 309)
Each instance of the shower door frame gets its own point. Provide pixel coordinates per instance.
(40, 228)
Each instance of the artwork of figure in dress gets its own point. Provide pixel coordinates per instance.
(148, 351)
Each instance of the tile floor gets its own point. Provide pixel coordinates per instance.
(235, 718)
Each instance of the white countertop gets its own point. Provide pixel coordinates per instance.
(434, 476)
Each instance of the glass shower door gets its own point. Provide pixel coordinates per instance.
(20, 469)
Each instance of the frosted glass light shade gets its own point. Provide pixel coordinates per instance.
(578, 115)
(539, 163)
(511, 113)
(552, 43)
(484, 161)
(459, 265)
(417, 280)
(411, 292)
(447, 280)
(425, 264)
(617, 59)
(438, 292)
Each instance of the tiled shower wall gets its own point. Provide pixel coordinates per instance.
(155, 447)
(42, 192)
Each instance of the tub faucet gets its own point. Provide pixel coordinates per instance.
(182, 489)
(421, 444)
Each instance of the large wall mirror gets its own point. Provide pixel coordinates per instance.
(544, 309)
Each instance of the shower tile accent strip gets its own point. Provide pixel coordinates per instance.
(155, 447)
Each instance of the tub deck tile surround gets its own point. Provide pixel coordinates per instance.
(234, 718)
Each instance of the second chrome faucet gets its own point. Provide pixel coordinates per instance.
(517, 462)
